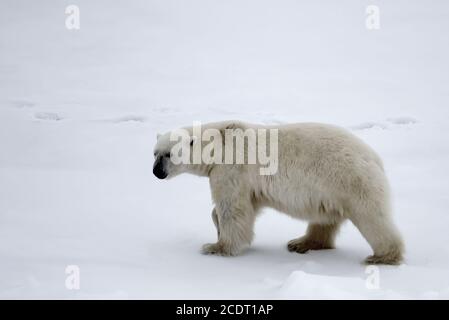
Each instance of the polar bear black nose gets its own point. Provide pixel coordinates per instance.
(158, 170)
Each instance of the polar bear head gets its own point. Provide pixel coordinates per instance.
(195, 149)
(164, 166)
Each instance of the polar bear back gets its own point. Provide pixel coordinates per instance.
(325, 172)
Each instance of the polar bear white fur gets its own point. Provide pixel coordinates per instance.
(325, 176)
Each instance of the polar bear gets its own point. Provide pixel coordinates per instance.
(324, 175)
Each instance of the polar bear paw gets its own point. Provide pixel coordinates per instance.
(385, 259)
(217, 249)
(302, 245)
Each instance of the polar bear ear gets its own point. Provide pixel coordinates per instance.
(232, 125)
(229, 126)
(158, 136)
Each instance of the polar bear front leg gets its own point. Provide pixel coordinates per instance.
(234, 214)
(234, 218)
(215, 220)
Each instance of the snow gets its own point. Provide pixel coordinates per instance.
(80, 110)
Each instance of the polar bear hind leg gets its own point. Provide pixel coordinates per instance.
(383, 237)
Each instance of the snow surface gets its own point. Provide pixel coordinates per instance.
(79, 113)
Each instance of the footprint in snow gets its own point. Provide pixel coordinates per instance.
(369, 125)
(47, 116)
(129, 118)
(402, 120)
(399, 121)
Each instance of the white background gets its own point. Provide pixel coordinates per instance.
(79, 113)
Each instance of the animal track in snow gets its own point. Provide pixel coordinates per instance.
(129, 118)
(48, 116)
(369, 125)
(402, 120)
(392, 122)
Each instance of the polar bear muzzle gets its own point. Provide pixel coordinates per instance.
(158, 168)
